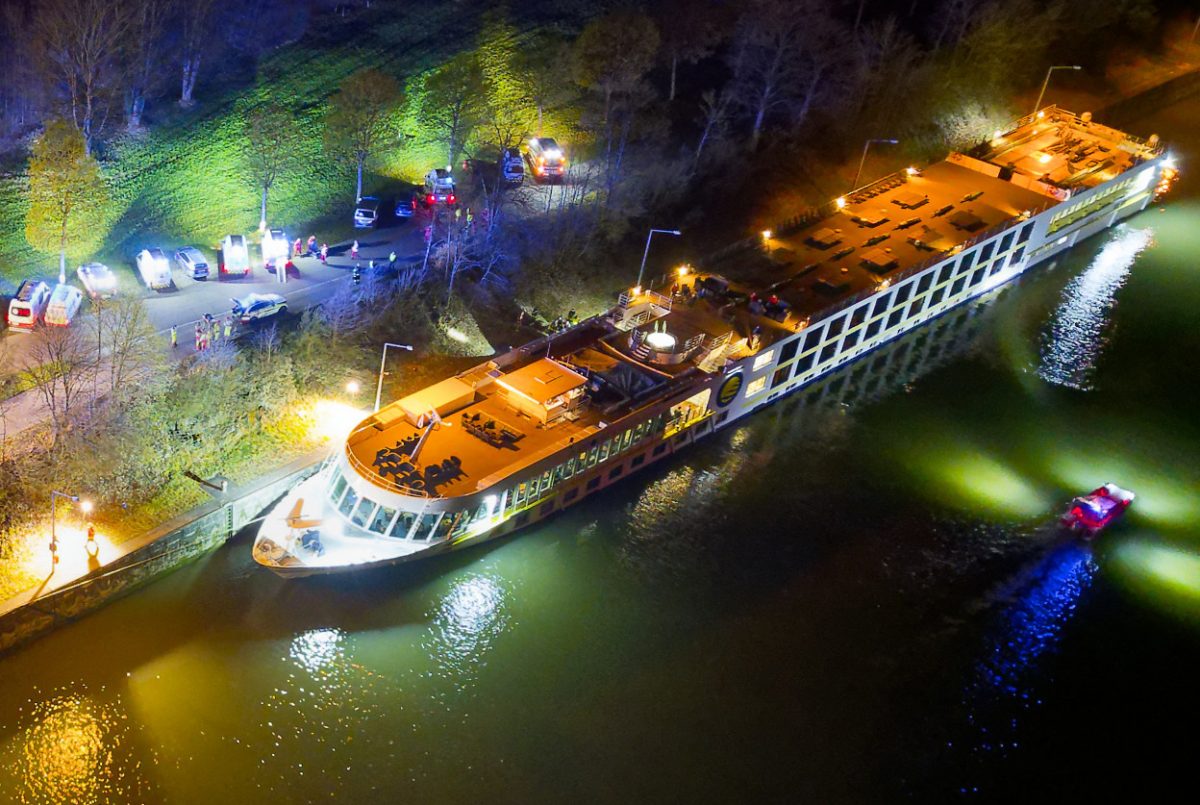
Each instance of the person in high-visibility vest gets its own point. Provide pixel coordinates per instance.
(228, 326)
(174, 338)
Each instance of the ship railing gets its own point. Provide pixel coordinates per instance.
(373, 475)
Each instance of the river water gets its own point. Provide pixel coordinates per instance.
(858, 595)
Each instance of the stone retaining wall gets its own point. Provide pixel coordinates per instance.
(178, 544)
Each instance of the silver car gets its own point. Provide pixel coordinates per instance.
(98, 280)
(192, 262)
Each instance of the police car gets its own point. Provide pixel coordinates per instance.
(255, 306)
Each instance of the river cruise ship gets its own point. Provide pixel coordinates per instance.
(529, 432)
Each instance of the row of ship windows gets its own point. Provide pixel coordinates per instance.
(384, 520)
(824, 343)
(1081, 210)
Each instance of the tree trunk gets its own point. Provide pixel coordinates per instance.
(137, 104)
(540, 108)
(674, 66)
(262, 221)
(191, 69)
(358, 190)
(759, 114)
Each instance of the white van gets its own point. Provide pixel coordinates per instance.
(28, 304)
(276, 248)
(235, 257)
(64, 304)
(154, 269)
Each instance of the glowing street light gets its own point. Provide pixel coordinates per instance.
(647, 251)
(861, 162)
(1045, 83)
(766, 234)
(352, 387)
(85, 506)
(382, 363)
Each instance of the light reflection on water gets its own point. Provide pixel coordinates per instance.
(1076, 337)
(73, 747)
(1007, 677)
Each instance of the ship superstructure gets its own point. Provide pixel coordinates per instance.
(541, 427)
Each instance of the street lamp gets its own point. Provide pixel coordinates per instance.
(1045, 83)
(861, 162)
(647, 251)
(85, 506)
(352, 387)
(382, 363)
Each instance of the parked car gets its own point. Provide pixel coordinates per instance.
(98, 280)
(28, 305)
(439, 188)
(366, 212)
(235, 257)
(64, 304)
(276, 248)
(406, 205)
(256, 306)
(192, 262)
(546, 158)
(154, 269)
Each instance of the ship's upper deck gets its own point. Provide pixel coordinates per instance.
(464, 434)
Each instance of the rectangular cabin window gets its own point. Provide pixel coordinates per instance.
(424, 529)
(967, 261)
(780, 377)
(382, 519)
(996, 266)
(977, 276)
(363, 513)
(349, 502)
(764, 359)
(1026, 231)
(756, 385)
(916, 306)
(338, 488)
(835, 328)
(1006, 242)
(924, 283)
(658, 449)
(828, 352)
(804, 364)
(593, 483)
(1016, 256)
(881, 304)
(813, 337)
(402, 525)
(604, 448)
(957, 287)
(593, 454)
(936, 297)
(895, 318)
(627, 439)
(873, 328)
(850, 340)
(789, 350)
(902, 293)
(638, 460)
(946, 272)
(859, 315)
(616, 472)
(985, 253)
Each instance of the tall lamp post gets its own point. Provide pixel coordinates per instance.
(85, 506)
(863, 160)
(382, 363)
(647, 251)
(1046, 83)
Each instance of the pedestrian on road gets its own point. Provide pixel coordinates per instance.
(371, 266)
(354, 250)
(469, 218)
(392, 260)
(324, 252)
(199, 336)
(174, 338)
(228, 327)
(356, 274)
(457, 213)
(296, 247)
(312, 245)
(216, 330)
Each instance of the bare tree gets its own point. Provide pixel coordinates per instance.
(540, 66)
(453, 101)
(133, 348)
(356, 121)
(714, 117)
(195, 25)
(143, 51)
(60, 364)
(614, 52)
(270, 140)
(690, 32)
(79, 49)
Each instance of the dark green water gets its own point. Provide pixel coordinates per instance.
(855, 599)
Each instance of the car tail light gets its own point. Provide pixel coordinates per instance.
(450, 199)
(429, 198)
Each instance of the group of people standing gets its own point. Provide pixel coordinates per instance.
(209, 331)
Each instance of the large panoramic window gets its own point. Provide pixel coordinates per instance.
(813, 338)
(764, 359)
(924, 283)
(789, 350)
(756, 385)
(382, 519)
(349, 502)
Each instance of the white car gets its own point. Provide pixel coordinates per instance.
(98, 280)
(192, 262)
(154, 269)
(255, 306)
(235, 257)
(276, 248)
(64, 304)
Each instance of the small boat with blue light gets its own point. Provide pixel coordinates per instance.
(1093, 512)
